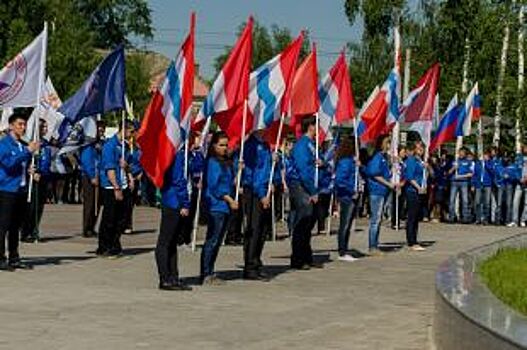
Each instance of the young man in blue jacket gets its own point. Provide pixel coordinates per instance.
(462, 172)
(90, 158)
(258, 161)
(175, 208)
(15, 158)
(116, 181)
(304, 196)
(30, 227)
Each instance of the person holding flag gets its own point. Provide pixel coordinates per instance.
(14, 162)
(462, 171)
(220, 201)
(304, 196)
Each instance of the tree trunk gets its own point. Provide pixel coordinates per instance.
(501, 78)
(521, 68)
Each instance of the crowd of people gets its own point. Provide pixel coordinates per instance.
(406, 186)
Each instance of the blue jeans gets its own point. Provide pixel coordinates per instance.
(347, 214)
(519, 192)
(509, 195)
(498, 193)
(216, 228)
(376, 207)
(462, 188)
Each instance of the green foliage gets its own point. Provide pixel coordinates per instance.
(506, 276)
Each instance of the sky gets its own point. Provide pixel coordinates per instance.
(218, 20)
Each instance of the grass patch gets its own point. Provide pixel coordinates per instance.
(506, 276)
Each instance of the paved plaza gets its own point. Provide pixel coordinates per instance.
(73, 300)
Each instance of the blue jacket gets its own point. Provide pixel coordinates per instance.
(89, 159)
(196, 166)
(257, 159)
(219, 182)
(278, 168)
(482, 175)
(378, 166)
(44, 160)
(414, 170)
(345, 174)
(174, 193)
(303, 158)
(110, 159)
(518, 162)
(497, 172)
(326, 181)
(290, 171)
(465, 166)
(510, 175)
(14, 158)
(135, 165)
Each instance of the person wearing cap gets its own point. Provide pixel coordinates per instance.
(116, 181)
(15, 158)
(304, 196)
(30, 227)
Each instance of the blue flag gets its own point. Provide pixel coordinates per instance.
(102, 92)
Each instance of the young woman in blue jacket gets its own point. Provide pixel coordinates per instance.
(346, 193)
(175, 208)
(219, 198)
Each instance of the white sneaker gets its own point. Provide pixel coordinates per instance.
(417, 248)
(522, 224)
(511, 224)
(347, 258)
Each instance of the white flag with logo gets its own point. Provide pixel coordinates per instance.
(20, 78)
(46, 110)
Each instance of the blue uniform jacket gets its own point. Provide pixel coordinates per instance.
(303, 159)
(44, 160)
(378, 166)
(174, 193)
(465, 166)
(345, 173)
(135, 165)
(89, 159)
(257, 159)
(111, 156)
(414, 170)
(196, 166)
(219, 183)
(14, 158)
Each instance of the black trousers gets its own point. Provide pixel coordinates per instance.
(12, 212)
(235, 221)
(258, 221)
(400, 214)
(34, 209)
(170, 229)
(89, 205)
(413, 215)
(304, 221)
(112, 223)
(185, 236)
(129, 205)
(322, 209)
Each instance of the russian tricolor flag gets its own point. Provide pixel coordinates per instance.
(336, 98)
(381, 111)
(446, 131)
(471, 112)
(167, 118)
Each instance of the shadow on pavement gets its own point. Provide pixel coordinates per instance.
(54, 260)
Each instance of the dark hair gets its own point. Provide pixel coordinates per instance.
(345, 149)
(380, 139)
(15, 116)
(412, 146)
(216, 137)
(307, 122)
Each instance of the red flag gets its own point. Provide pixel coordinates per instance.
(419, 104)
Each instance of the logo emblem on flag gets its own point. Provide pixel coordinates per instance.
(17, 71)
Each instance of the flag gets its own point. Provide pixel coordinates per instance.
(446, 130)
(102, 92)
(382, 111)
(269, 89)
(46, 111)
(231, 88)
(4, 122)
(304, 92)
(166, 123)
(21, 77)
(472, 112)
(337, 105)
(419, 105)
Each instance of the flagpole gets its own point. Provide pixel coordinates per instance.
(395, 134)
(36, 130)
(276, 146)
(317, 122)
(356, 153)
(240, 159)
(464, 89)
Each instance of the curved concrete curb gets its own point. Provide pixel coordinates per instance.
(467, 315)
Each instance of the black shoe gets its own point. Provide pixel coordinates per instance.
(88, 234)
(17, 264)
(28, 239)
(316, 265)
(255, 276)
(303, 267)
(174, 286)
(4, 266)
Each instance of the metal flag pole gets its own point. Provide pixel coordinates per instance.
(239, 175)
(317, 122)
